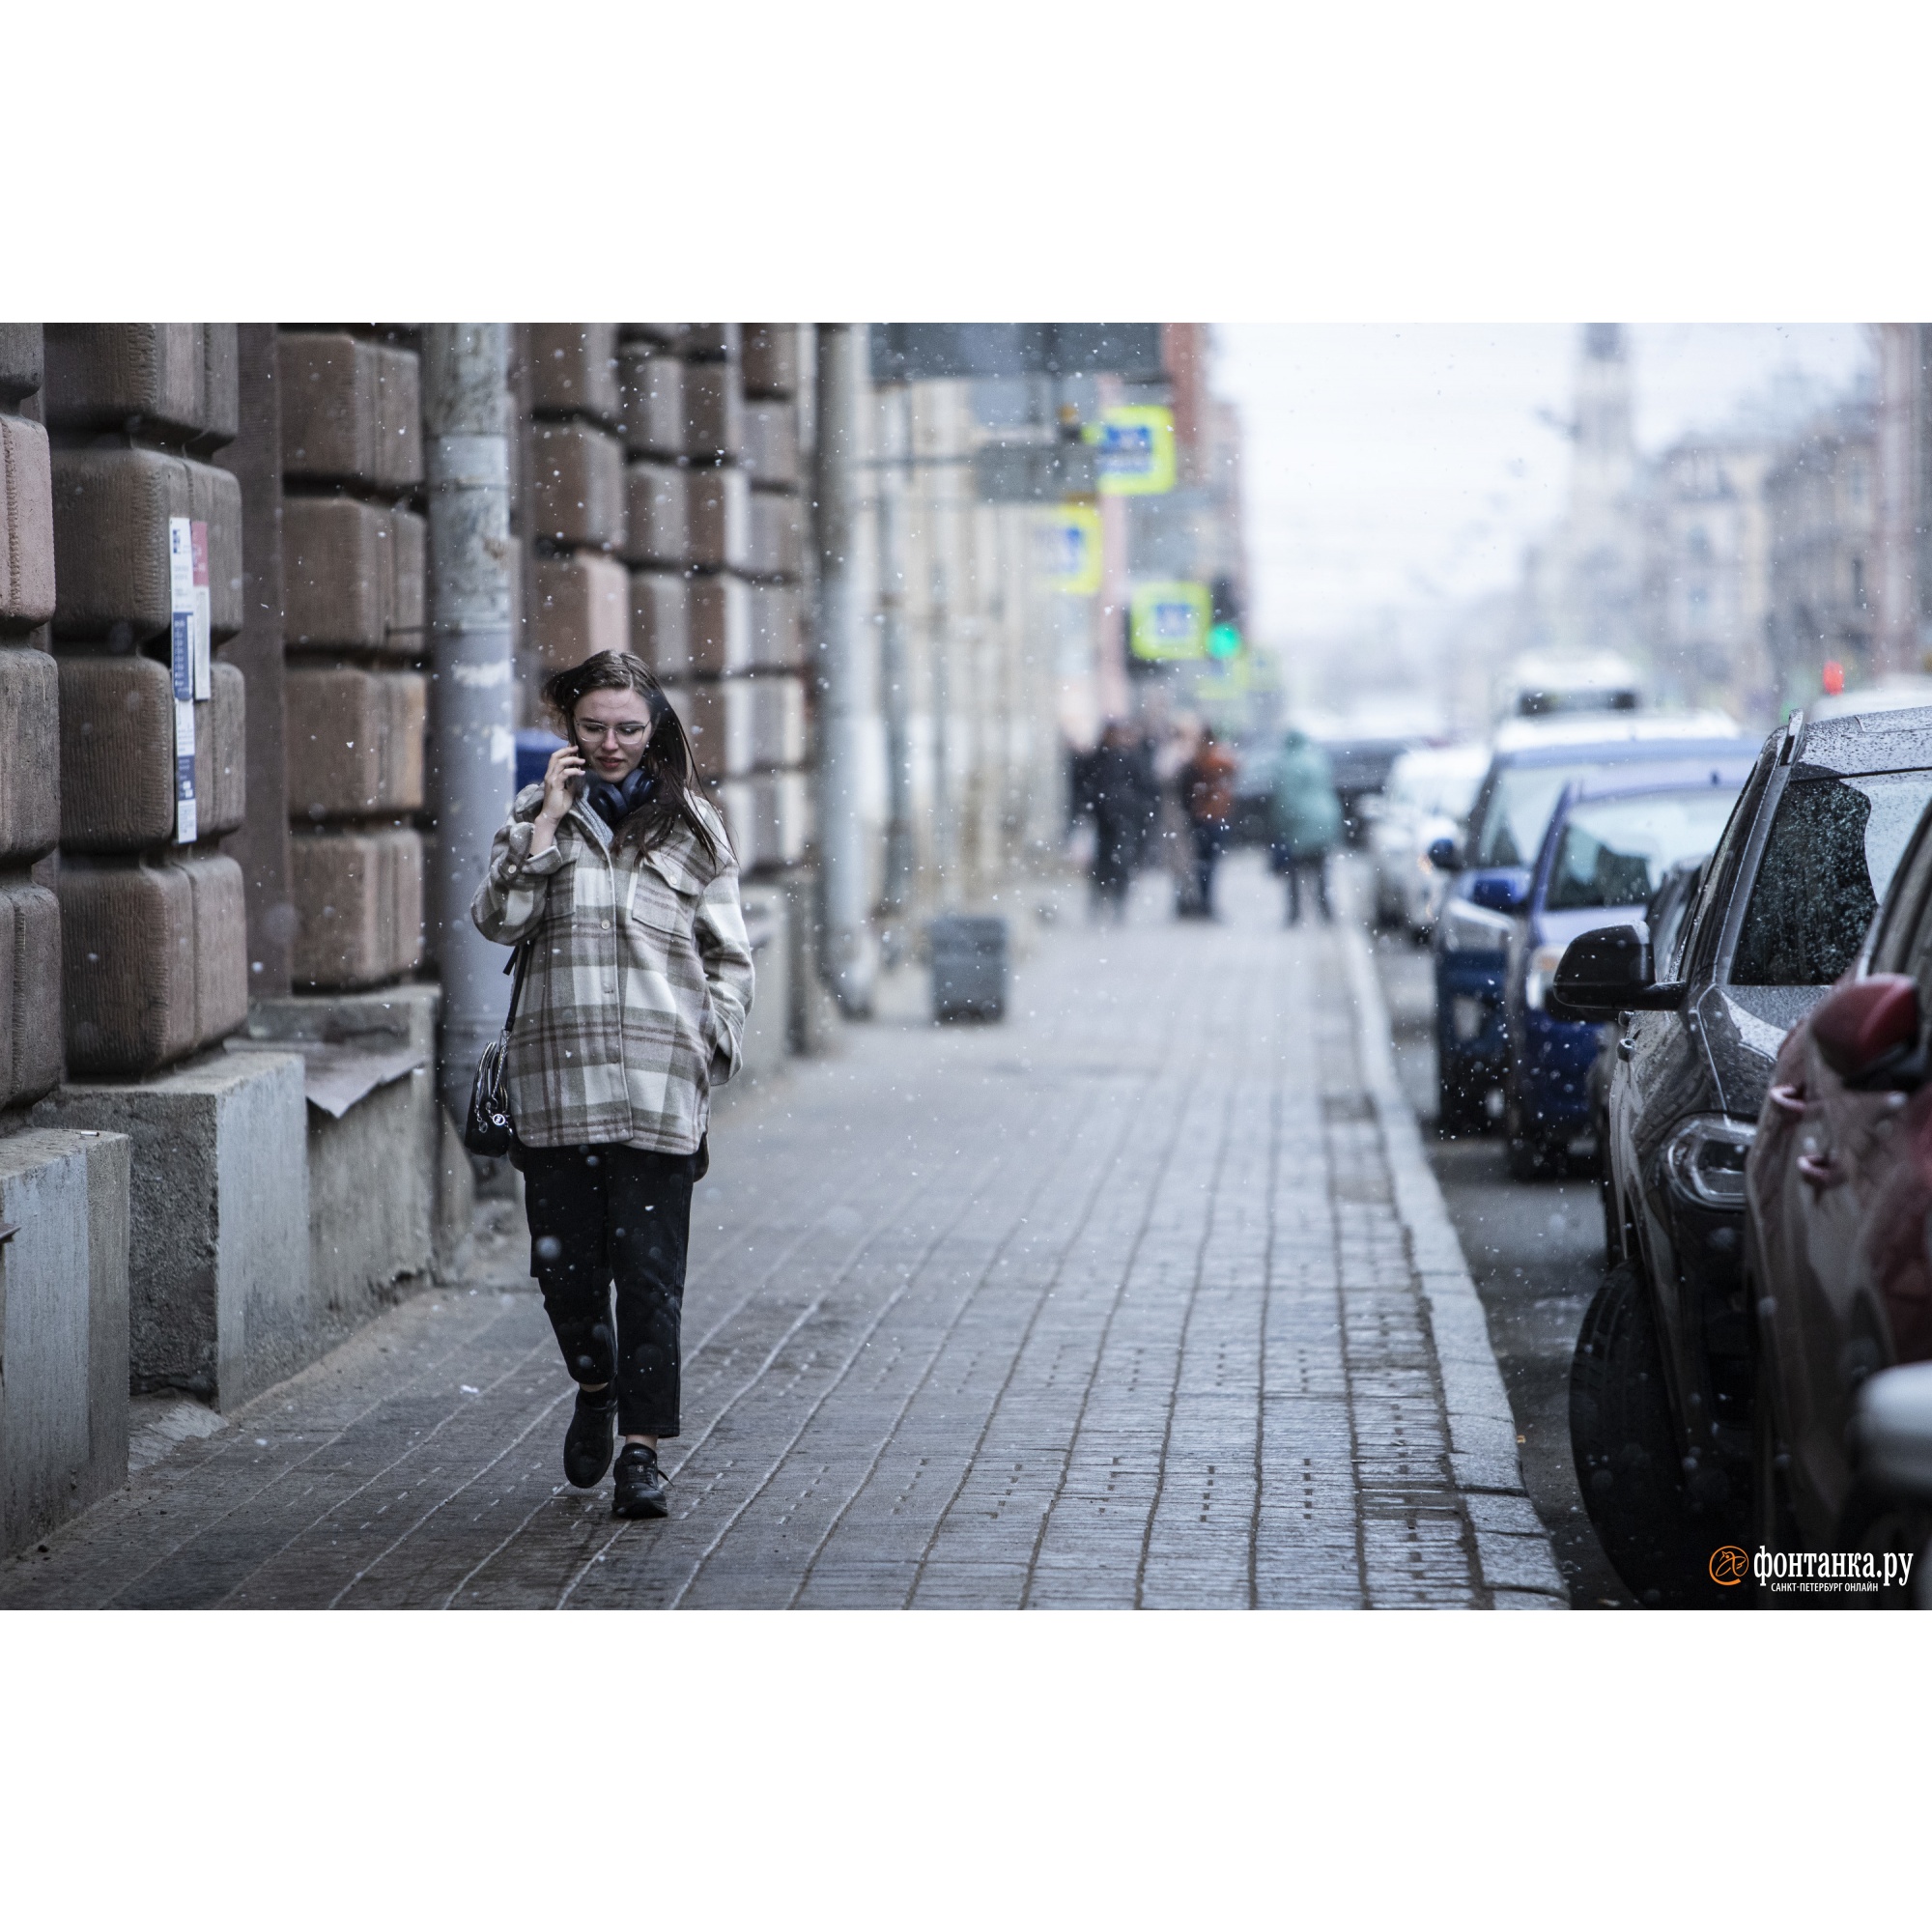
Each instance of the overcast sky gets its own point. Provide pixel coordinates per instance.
(1398, 467)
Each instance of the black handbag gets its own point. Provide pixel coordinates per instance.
(489, 1129)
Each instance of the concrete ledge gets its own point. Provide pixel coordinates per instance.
(376, 1167)
(63, 1327)
(1482, 1458)
(218, 1247)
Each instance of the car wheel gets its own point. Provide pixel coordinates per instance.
(1627, 1462)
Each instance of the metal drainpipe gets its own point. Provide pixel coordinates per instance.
(849, 957)
(472, 741)
(894, 473)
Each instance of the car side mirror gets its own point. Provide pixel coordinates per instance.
(1446, 854)
(1605, 973)
(1500, 891)
(1893, 1427)
(1867, 1031)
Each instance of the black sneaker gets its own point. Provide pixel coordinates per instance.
(587, 1441)
(640, 1488)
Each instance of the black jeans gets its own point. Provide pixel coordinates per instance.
(602, 1212)
(1210, 837)
(1314, 871)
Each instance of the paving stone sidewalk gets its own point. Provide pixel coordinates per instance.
(1144, 1297)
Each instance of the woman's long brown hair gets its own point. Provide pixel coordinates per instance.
(666, 757)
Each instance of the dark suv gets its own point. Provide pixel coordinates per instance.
(1661, 1388)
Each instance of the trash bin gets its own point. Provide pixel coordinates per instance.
(969, 968)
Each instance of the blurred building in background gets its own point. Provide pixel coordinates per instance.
(1821, 498)
(1707, 573)
(1902, 541)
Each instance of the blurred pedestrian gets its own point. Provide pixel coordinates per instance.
(1118, 797)
(1307, 821)
(1208, 790)
(616, 876)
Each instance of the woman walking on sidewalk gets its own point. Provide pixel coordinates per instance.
(617, 873)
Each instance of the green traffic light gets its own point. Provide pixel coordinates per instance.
(1224, 641)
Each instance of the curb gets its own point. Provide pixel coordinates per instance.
(1512, 1546)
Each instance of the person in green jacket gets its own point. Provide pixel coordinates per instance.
(1307, 820)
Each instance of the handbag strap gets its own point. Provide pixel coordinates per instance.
(517, 965)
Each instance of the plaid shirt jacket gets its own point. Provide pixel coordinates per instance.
(639, 981)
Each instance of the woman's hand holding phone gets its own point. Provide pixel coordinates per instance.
(563, 781)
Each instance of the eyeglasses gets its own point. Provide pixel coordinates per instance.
(626, 735)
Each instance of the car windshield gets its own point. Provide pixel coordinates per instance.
(1438, 788)
(1518, 814)
(1615, 851)
(1833, 849)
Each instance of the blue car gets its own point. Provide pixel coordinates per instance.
(1610, 846)
(1534, 761)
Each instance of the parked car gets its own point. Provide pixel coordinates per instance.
(1429, 794)
(1607, 850)
(1660, 1410)
(1666, 920)
(1838, 1188)
(1533, 761)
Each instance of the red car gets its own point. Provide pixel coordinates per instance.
(1838, 1233)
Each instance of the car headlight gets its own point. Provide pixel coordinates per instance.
(1705, 1159)
(1474, 929)
(1542, 964)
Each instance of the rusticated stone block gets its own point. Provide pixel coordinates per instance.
(165, 381)
(768, 818)
(777, 720)
(26, 525)
(720, 519)
(154, 961)
(30, 993)
(720, 626)
(30, 768)
(353, 577)
(576, 486)
(117, 754)
(657, 524)
(111, 511)
(351, 410)
(22, 359)
(718, 718)
(358, 898)
(771, 445)
(661, 620)
(580, 604)
(769, 351)
(574, 369)
(776, 626)
(355, 743)
(652, 400)
(714, 413)
(776, 547)
(711, 341)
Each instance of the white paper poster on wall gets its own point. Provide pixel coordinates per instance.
(203, 674)
(183, 605)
